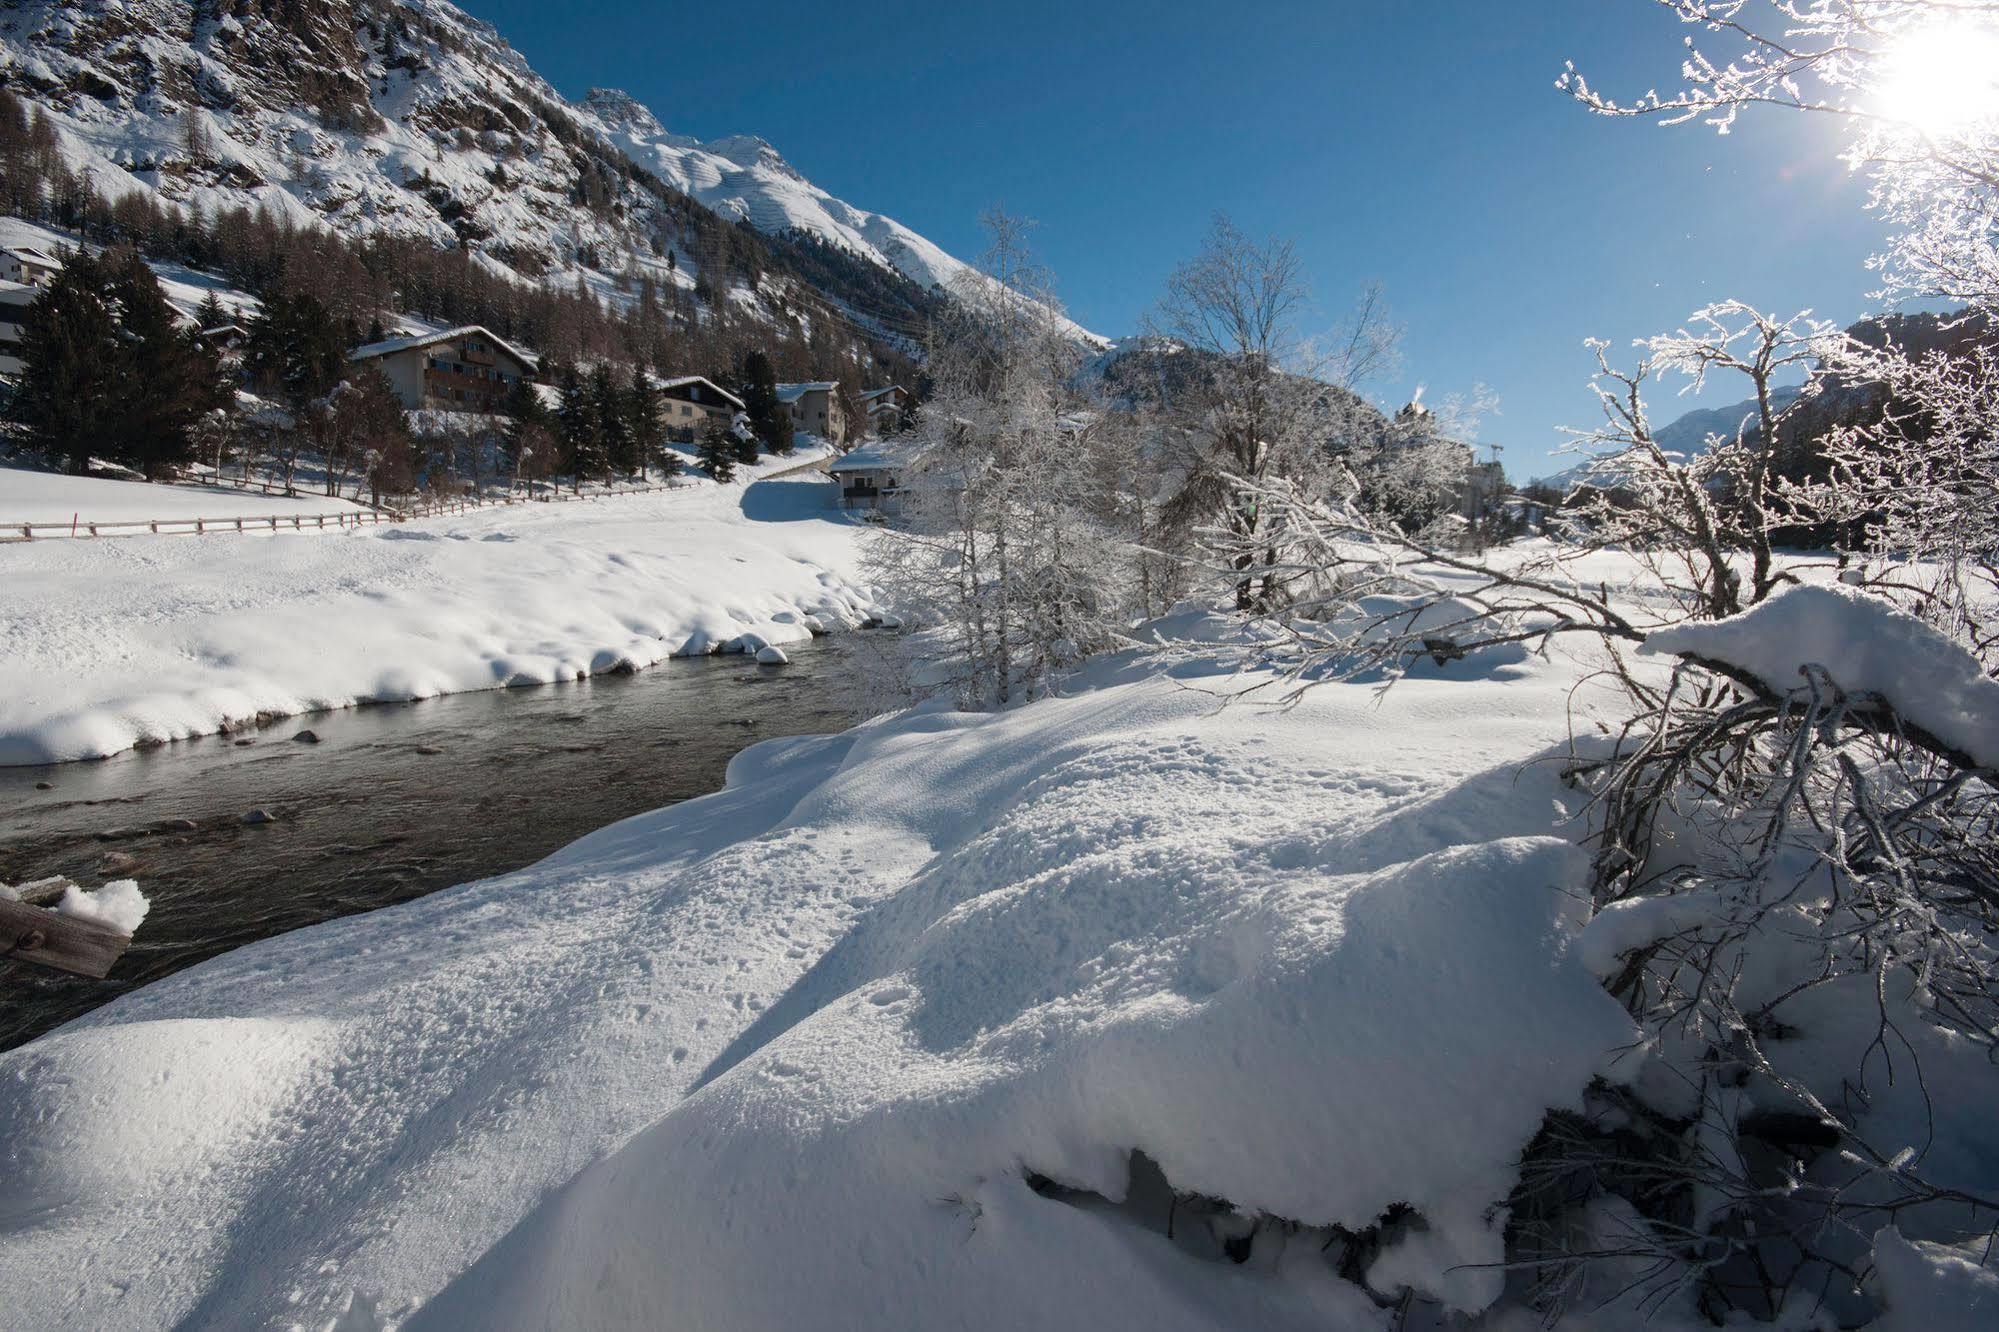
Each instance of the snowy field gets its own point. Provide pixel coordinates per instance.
(114, 643)
(1154, 1004)
(789, 1054)
(50, 497)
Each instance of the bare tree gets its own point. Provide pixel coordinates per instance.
(998, 543)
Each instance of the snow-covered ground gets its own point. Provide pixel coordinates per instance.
(792, 1053)
(51, 497)
(124, 642)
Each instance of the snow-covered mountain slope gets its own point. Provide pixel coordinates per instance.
(1688, 434)
(744, 177)
(411, 118)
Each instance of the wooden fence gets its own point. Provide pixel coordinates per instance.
(275, 522)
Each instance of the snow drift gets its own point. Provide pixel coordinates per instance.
(856, 1041)
(117, 643)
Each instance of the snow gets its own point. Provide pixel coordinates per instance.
(1867, 646)
(186, 289)
(1931, 1287)
(116, 643)
(1623, 927)
(51, 497)
(789, 1054)
(770, 654)
(118, 905)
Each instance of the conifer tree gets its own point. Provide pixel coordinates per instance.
(529, 440)
(211, 314)
(575, 427)
(718, 451)
(616, 451)
(769, 419)
(644, 421)
(69, 400)
(171, 379)
(296, 349)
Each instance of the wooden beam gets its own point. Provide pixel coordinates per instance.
(62, 943)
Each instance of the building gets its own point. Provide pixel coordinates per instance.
(1481, 491)
(872, 475)
(28, 265)
(886, 408)
(689, 402)
(227, 340)
(15, 298)
(458, 370)
(816, 409)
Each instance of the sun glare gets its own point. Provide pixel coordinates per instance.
(1942, 77)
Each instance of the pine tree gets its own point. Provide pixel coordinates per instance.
(769, 419)
(575, 428)
(528, 440)
(296, 349)
(70, 395)
(171, 378)
(616, 450)
(211, 314)
(644, 421)
(718, 451)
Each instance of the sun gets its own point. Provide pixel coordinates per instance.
(1941, 78)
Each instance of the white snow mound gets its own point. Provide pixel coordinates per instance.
(796, 1053)
(1866, 646)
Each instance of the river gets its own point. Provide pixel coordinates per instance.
(393, 802)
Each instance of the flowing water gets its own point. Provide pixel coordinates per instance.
(395, 801)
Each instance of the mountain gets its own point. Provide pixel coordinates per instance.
(411, 118)
(1687, 434)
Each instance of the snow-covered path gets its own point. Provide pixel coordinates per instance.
(116, 643)
(785, 1055)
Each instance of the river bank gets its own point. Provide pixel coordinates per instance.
(239, 838)
(117, 644)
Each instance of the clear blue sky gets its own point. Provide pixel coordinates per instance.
(1417, 142)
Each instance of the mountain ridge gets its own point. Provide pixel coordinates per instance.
(412, 118)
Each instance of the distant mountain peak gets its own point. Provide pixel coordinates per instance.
(622, 111)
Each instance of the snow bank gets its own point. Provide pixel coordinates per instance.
(112, 644)
(1931, 1287)
(1867, 646)
(804, 1052)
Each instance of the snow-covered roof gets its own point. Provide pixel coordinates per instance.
(789, 393)
(34, 254)
(880, 456)
(682, 381)
(869, 395)
(390, 346)
(18, 293)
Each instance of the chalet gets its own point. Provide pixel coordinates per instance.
(227, 340)
(689, 402)
(872, 476)
(458, 370)
(15, 298)
(28, 265)
(886, 408)
(815, 408)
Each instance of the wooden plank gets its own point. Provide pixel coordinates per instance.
(63, 943)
